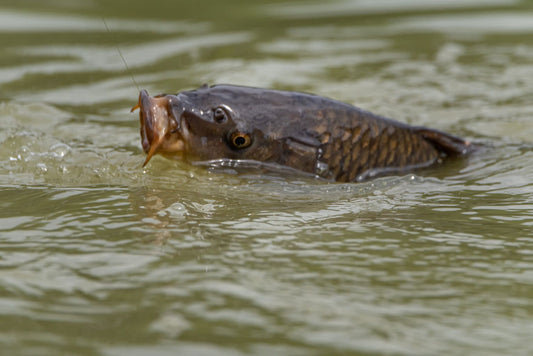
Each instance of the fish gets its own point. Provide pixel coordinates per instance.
(316, 135)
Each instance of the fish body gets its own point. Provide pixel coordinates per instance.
(310, 133)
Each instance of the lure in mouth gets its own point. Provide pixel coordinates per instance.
(160, 130)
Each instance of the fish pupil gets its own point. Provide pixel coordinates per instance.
(239, 141)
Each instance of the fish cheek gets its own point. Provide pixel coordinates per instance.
(288, 152)
(204, 148)
(206, 140)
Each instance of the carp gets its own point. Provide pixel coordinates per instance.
(313, 134)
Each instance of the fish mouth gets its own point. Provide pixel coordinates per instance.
(161, 132)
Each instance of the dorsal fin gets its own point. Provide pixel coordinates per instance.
(449, 144)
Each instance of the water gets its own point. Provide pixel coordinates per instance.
(101, 257)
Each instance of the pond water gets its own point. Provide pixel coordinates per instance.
(99, 256)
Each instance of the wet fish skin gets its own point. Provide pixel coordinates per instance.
(314, 134)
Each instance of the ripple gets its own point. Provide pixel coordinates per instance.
(372, 7)
(15, 21)
(175, 258)
(473, 24)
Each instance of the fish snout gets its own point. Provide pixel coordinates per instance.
(156, 121)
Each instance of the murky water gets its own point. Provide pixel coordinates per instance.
(101, 257)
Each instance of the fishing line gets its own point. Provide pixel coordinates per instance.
(121, 55)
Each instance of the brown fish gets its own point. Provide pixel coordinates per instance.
(317, 135)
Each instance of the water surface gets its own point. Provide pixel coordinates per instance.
(101, 257)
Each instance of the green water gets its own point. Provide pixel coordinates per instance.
(101, 257)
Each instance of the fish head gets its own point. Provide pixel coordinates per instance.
(188, 126)
(226, 122)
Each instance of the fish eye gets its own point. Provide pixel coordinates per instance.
(219, 115)
(240, 140)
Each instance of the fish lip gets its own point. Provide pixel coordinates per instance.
(158, 123)
(142, 117)
(146, 117)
